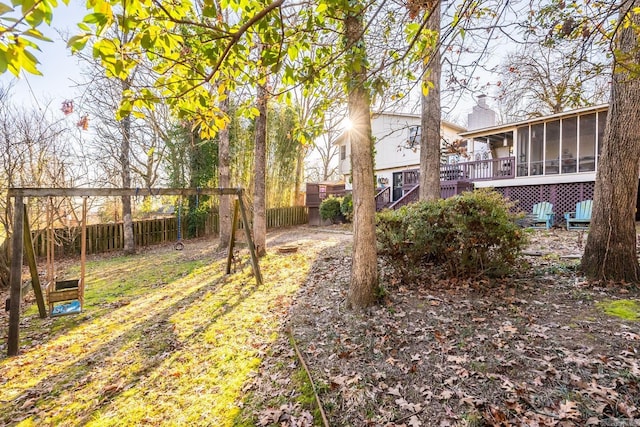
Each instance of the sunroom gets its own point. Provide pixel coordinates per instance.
(552, 158)
(544, 149)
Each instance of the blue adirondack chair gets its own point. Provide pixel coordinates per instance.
(542, 216)
(581, 218)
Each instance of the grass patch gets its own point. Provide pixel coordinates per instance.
(625, 309)
(307, 396)
(163, 340)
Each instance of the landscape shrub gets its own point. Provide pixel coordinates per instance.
(488, 239)
(468, 235)
(408, 237)
(330, 209)
(393, 241)
(346, 207)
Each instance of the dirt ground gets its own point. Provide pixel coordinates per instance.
(534, 349)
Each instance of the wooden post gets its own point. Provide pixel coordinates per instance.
(15, 280)
(33, 267)
(232, 240)
(83, 251)
(252, 249)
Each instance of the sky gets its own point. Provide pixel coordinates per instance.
(58, 67)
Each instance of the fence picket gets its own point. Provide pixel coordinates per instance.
(110, 237)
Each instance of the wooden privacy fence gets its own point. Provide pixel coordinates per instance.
(103, 238)
(284, 217)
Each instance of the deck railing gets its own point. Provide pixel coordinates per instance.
(479, 170)
(383, 198)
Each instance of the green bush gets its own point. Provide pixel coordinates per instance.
(468, 235)
(346, 207)
(196, 219)
(330, 208)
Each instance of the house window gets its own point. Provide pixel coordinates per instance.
(523, 151)
(413, 141)
(343, 152)
(587, 159)
(322, 192)
(569, 144)
(537, 148)
(552, 148)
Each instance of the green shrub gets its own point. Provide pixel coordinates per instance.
(488, 240)
(330, 208)
(468, 235)
(196, 219)
(346, 207)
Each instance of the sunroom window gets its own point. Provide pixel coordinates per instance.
(523, 151)
(569, 144)
(560, 146)
(552, 148)
(587, 159)
(537, 148)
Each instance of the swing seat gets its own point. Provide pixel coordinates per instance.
(72, 307)
(64, 291)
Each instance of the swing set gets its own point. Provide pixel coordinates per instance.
(66, 296)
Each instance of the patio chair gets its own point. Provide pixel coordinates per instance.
(542, 215)
(581, 218)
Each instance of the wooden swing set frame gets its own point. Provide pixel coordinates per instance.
(22, 246)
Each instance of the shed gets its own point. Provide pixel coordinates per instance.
(316, 193)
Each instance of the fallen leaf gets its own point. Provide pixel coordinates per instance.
(445, 395)
(414, 422)
(568, 411)
(395, 391)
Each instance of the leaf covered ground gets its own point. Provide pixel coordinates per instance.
(533, 349)
(167, 339)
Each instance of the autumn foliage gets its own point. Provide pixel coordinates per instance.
(468, 235)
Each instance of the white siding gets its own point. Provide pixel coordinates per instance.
(393, 152)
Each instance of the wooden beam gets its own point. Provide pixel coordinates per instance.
(107, 192)
(232, 240)
(15, 280)
(252, 249)
(29, 254)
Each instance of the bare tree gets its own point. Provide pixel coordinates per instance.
(539, 80)
(324, 166)
(33, 153)
(129, 151)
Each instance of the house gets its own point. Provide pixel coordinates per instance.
(397, 153)
(552, 158)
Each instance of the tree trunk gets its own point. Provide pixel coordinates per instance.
(5, 262)
(259, 172)
(364, 269)
(297, 192)
(610, 252)
(224, 180)
(129, 242)
(430, 118)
